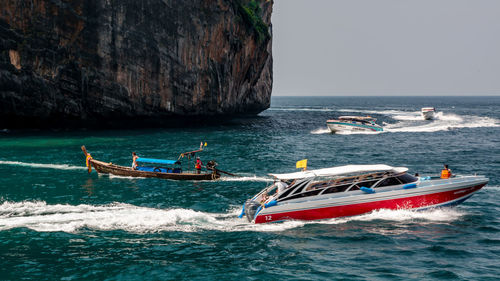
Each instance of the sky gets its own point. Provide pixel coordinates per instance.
(386, 47)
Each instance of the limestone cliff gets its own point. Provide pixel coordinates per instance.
(81, 61)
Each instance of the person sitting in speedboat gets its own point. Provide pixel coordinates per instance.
(273, 191)
(445, 173)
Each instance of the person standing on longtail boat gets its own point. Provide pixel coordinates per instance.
(134, 163)
(198, 165)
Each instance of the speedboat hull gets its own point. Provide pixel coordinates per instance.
(108, 168)
(425, 194)
(339, 126)
(428, 113)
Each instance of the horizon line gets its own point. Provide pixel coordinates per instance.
(315, 95)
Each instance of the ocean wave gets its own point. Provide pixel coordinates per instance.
(40, 165)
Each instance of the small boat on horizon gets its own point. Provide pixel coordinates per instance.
(353, 190)
(354, 124)
(155, 168)
(428, 113)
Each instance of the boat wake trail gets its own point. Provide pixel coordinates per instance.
(320, 131)
(39, 165)
(359, 133)
(431, 215)
(111, 176)
(246, 178)
(39, 216)
(42, 217)
(493, 187)
(252, 178)
(412, 122)
(381, 112)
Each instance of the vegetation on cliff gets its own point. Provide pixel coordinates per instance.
(251, 14)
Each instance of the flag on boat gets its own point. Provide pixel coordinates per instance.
(201, 145)
(301, 164)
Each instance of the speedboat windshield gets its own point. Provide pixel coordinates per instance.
(327, 185)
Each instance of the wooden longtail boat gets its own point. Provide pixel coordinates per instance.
(162, 173)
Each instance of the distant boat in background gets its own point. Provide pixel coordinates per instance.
(354, 124)
(428, 113)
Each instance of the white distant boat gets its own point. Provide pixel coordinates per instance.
(428, 113)
(353, 123)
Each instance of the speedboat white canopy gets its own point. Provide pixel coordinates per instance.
(340, 170)
(357, 117)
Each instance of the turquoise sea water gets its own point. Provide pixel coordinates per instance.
(58, 222)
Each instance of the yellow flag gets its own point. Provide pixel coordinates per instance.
(301, 164)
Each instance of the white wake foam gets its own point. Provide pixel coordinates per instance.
(69, 218)
(358, 132)
(252, 178)
(111, 176)
(492, 187)
(431, 215)
(320, 131)
(39, 165)
(441, 122)
(408, 116)
(39, 216)
(246, 178)
(412, 121)
(381, 112)
(449, 117)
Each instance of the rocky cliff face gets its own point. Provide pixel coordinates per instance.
(99, 60)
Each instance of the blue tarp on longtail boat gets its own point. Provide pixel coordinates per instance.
(159, 170)
(156, 161)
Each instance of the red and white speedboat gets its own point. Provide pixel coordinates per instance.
(352, 190)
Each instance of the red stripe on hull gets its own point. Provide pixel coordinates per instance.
(357, 209)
